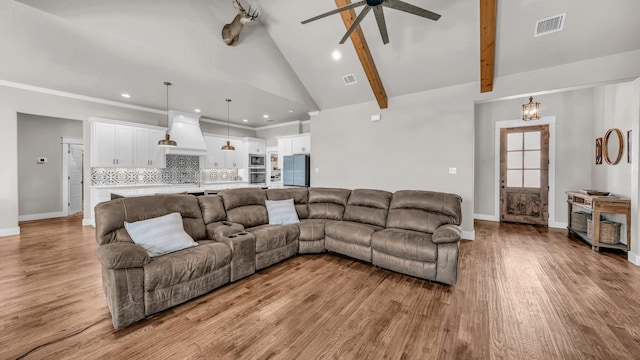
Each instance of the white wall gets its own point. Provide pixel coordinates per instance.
(418, 139)
(14, 101)
(40, 185)
(207, 127)
(574, 111)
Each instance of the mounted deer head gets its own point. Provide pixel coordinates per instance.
(231, 32)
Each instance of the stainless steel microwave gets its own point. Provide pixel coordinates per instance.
(257, 160)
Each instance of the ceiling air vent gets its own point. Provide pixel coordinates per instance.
(549, 25)
(349, 79)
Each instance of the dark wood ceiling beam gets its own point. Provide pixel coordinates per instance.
(362, 49)
(487, 43)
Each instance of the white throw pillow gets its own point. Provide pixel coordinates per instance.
(160, 235)
(282, 212)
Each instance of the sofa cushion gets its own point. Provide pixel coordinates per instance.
(185, 265)
(245, 206)
(423, 211)
(300, 198)
(351, 232)
(161, 235)
(327, 203)
(212, 208)
(270, 237)
(405, 244)
(281, 212)
(312, 229)
(368, 206)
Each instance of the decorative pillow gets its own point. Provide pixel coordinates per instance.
(282, 212)
(160, 235)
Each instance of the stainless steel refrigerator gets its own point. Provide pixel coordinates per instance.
(295, 170)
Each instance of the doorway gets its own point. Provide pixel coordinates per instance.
(524, 174)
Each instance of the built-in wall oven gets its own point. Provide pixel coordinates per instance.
(257, 161)
(257, 175)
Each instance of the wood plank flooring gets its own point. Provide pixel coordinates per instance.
(523, 292)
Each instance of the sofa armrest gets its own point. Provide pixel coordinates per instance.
(447, 233)
(122, 256)
(221, 229)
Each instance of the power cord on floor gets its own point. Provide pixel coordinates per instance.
(60, 339)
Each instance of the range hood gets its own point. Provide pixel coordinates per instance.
(185, 130)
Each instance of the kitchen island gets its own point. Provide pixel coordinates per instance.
(100, 193)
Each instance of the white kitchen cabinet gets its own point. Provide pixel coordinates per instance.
(256, 146)
(216, 158)
(146, 152)
(301, 144)
(236, 159)
(112, 145)
(285, 148)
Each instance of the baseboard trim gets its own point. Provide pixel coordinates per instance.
(10, 231)
(41, 216)
(468, 235)
(633, 258)
(485, 217)
(87, 222)
(558, 225)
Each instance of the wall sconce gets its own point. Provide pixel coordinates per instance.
(531, 111)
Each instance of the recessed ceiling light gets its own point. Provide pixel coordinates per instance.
(290, 110)
(197, 110)
(125, 95)
(265, 116)
(245, 120)
(336, 55)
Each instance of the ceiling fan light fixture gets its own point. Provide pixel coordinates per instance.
(531, 110)
(167, 142)
(228, 146)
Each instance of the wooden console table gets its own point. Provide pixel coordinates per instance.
(598, 205)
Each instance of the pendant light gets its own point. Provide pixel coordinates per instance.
(531, 111)
(167, 142)
(228, 147)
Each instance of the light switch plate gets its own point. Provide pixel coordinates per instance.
(453, 170)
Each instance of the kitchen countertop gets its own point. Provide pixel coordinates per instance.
(202, 185)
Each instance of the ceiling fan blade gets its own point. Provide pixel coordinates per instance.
(356, 23)
(340, 9)
(382, 25)
(412, 9)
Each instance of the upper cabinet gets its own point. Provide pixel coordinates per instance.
(293, 144)
(218, 159)
(119, 145)
(256, 146)
(146, 152)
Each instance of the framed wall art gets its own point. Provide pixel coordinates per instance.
(599, 151)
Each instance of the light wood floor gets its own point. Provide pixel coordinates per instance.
(523, 293)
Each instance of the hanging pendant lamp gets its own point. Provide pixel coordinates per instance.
(228, 146)
(167, 142)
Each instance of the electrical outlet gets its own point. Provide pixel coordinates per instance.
(453, 170)
(317, 170)
(41, 160)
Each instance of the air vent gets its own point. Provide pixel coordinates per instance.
(549, 25)
(349, 79)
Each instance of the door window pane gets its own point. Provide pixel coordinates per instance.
(514, 160)
(532, 178)
(532, 159)
(514, 141)
(514, 178)
(532, 140)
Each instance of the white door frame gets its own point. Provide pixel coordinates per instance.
(547, 120)
(66, 142)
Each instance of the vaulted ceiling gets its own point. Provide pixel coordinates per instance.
(280, 67)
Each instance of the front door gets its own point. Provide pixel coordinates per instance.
(524, 175)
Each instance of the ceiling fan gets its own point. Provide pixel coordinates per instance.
(377, 5)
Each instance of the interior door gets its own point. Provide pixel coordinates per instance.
(75, 178)
(524, 175)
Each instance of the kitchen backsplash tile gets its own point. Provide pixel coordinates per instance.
(180, 169)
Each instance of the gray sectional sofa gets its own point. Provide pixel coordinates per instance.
(411, 232)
